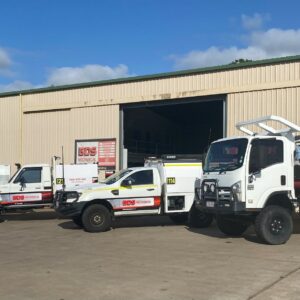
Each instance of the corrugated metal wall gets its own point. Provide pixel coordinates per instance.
(47, 132)
(10, 133)
(52, 119)
(222, 82)
(250, 105)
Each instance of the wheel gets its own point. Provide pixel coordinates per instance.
(96, 218)
(198, 218)
(231, 227)
(274, 225)
(179, 218)
(77, 220)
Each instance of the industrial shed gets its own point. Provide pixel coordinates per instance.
(177, 112)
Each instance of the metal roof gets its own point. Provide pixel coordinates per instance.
(231, 66)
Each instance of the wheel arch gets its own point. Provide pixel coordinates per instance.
(103, 202)
(280, 199)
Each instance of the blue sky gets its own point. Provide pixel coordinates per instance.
(45, 43)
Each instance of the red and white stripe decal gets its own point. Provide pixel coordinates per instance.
(25, 197)
(135, 203)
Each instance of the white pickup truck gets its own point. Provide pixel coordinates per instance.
(161, 187)
(33, 186)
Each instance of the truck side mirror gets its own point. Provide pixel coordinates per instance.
(126, 182)
(22, 183)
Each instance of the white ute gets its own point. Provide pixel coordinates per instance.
(251, 180)
(162, 187)
(33, 186)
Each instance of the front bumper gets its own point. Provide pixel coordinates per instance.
(72, 209)
(217, 207)
(218, 200)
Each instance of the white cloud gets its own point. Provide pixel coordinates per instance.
(17, 85)
(254, 22)
(68, 75)
(261, 44)
(5, 61)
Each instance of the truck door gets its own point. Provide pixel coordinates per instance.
(267, 172)
(27, 186)
(140, 190)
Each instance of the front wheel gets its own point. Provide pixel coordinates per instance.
(231, 227)
(96, 218)
(274, 225)
(199, 219)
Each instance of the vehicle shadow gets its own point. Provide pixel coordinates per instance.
(129, 222)
(249, 235)
(46, 214)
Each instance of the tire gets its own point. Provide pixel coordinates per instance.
(77, 220)
(96, 218)
(274, 225)
(179, 218)
(231, 227)
(198, 218)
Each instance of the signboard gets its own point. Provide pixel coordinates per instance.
(100, 151)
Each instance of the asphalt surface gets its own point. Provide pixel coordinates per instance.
(45, 257)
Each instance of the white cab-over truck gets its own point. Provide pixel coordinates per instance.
(33, 186)
(162, 187)
(250, 180)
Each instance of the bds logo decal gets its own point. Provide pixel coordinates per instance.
(128, 202)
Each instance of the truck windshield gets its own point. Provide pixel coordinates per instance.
(117, 176)
(225, 155)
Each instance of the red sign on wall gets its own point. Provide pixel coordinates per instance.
(102, 152)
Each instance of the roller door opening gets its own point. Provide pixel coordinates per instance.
(171, 128)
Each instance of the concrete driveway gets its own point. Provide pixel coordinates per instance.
(44, 257)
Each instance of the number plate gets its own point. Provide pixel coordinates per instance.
(210, 204)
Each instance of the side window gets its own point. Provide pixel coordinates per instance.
(29, 175)
(142, 177)
(265, 153)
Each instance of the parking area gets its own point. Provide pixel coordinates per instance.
(45, 257)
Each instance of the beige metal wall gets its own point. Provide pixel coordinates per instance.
(10, 133)
(55, 118)
(223, 82)
(46, 132)
(245, 106)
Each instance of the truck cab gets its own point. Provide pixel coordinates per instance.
(250, 179)
(30, 186)
(33, 186)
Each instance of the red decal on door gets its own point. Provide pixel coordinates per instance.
(18, 197)
(128, 202)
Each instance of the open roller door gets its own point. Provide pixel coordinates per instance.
(187, 126)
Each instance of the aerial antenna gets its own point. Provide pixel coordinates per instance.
(209, 138)
(63, 167)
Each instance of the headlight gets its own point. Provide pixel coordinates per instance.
(72, 196)
(212, 188)
(237, 191)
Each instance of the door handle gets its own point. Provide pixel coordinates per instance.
(115, 192)
(150, 189)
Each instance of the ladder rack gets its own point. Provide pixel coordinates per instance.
(261, 122)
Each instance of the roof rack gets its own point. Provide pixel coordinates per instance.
(261, 122)
(176, 157)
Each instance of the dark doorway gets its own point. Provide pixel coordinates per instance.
(187, 127)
